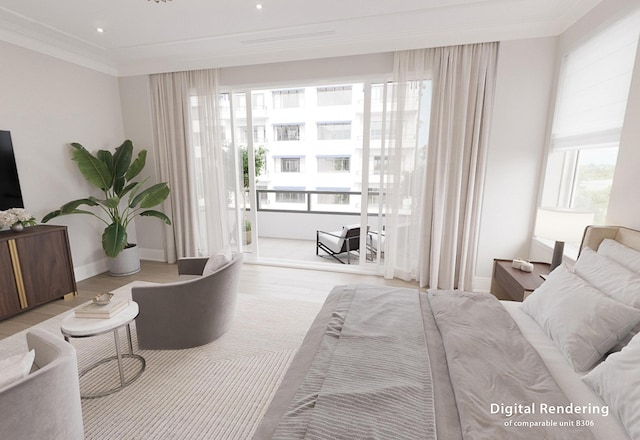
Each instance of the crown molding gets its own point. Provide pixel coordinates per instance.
(442, 23)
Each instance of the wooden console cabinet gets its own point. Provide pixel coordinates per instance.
(35, 268)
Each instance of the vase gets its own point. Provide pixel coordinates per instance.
(126, 263)
(17, 227)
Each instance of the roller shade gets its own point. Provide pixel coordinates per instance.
(594, 87)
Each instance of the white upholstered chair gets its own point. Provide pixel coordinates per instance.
(335, 243)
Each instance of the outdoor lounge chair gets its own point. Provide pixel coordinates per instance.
(339, 242)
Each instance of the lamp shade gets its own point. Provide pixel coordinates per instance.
(566, 225)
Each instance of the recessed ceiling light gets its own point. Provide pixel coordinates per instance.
(258, 6)
(100, 30)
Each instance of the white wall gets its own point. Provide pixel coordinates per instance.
(136, 112)
(46, 104)
(624, 204)
(516, 145)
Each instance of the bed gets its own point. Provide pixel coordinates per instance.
(391, 363)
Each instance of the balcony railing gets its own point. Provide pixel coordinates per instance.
(315, 202)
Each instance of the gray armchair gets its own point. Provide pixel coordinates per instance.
(188, 313)
(46, 403)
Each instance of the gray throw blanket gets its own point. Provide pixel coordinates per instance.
(386, 393)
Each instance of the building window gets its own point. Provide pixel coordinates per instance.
(287, 132)
(290, 165)
(259, 133)
(258, 101)
(378, 164)
(288, 98)
(335, 95)
(290, 197)
(334, 130)
(334, 164)
(333, 199)
(590, 106)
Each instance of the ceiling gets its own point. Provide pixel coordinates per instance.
(141, 36)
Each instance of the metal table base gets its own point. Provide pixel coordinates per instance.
(119, 356)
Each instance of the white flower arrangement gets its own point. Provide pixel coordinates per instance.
(15, 216)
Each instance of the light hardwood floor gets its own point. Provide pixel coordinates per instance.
(283, 282)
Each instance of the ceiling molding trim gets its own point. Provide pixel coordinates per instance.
(324, 48)
(57, 52)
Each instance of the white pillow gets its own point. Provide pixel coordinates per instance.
(628, 257)
(215, 262)
(617, 381)
(609, 277)
(582, 322)
(15, 367)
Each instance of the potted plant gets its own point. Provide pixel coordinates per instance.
(123, 200)
(260, 166)
(247, 232)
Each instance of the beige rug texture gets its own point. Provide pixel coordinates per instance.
(216, 391)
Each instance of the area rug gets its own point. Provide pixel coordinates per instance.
(217, 391)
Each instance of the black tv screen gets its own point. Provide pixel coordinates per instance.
(10, 194)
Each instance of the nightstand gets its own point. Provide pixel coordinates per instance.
(514, 284)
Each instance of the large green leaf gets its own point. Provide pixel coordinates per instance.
(153, 213)
(122, 159)
(134, 191)
(127, 188)
(152, 196)
(93, 169)
(118, 185)
(111, 203)
(107, 158)
(73, 205)
(114, 239)
(58, 213)
(137, 165)
(71, 208)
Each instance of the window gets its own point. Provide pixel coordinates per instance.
(334, 130)
(287, 132)
(290, 165)
(377, 164)
(290, 197)
(257, 101)
(333, 199)
(590, 107)
(288, 98)
(259, 133)
(333, 164)
(336, 95)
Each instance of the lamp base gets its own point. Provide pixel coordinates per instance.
(558, 252)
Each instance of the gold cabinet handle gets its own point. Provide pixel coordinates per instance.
(17, 273)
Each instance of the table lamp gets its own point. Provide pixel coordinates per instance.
(561, 225)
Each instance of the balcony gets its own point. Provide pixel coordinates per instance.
(288, 221)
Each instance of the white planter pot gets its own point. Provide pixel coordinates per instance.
(126, 263)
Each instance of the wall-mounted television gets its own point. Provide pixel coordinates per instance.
(10, 194)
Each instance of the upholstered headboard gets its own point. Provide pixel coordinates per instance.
(593, 236)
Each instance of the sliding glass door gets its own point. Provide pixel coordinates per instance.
(316, 158)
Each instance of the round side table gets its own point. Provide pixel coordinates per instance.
(73, 327)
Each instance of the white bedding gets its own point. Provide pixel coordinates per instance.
(578, 392)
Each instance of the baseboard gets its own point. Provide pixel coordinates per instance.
(90, 270)
(481, 284)
(98, 267)
(152, 255)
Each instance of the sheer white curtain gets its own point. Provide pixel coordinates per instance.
(435, 184)
(194, 160)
